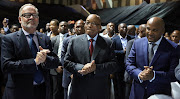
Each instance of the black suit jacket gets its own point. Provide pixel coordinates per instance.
(94, 85)
(19, 64)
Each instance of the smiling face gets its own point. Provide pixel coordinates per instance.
(155, 29)
(29, 18)
(92, 25)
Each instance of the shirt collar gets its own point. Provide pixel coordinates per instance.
(26, 33)
(95, 38)
(157, 42)
(122, 37)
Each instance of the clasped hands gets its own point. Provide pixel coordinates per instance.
(147, 73)
(41, 56)
(88, 68)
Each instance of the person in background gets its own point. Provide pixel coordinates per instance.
(151, 62)
(127, 78)
(120, 42)
(131, 31)
(175, 36)
(41, 30)
(26, 57)
(57, 41)
(48, 33)
(5, 23)
(67, 76)
(14, 28)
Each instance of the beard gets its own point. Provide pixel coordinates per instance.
(30, 24)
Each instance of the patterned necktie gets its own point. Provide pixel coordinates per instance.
(151, 51)
(60, 46)
(38, 76)
(91, 47)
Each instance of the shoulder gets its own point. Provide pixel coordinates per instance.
(171, 43)
(54, 38)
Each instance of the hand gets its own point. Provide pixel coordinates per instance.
(5, 22)
(88, 68)
(71, 76)
(147, 73)
(41, 56)
(111, 76)
(59, 69)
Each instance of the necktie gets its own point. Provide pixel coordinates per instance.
(60, 46)
(38, 77)
(91, 47)
(151, 52)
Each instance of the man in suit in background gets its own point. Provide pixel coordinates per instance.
(120, 42)
(90, 58)
(56, 74)
(67, 76)
(151, 62)
(127, 78)
(26, 58)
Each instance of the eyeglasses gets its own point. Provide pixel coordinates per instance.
(92, 23)
(28, 15)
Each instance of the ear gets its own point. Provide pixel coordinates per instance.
(100, 28)
(19, 18)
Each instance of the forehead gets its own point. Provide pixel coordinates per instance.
(28, 9)
(63, 23)
(110, 24)
(93, 18)
(122, 25)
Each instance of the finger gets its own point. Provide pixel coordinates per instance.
(40, 48)
(151, 67)
(93, 62)
(145, 67)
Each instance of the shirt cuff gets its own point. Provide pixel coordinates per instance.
(153, 77)
(141, 81)
(36, 64)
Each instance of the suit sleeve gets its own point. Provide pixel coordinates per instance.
(9, 61)
(131, 67)
(52, 60)
(111, 65)
(177, 71)
(71, 66)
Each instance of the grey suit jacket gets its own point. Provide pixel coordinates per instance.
(94, 85)
(177, 71)
(55, 45)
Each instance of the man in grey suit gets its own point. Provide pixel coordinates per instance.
(56, 74)
(90, 58)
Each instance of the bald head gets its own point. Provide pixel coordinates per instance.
(142, 30)
(155, 29)
(131, 29)
(93, 25)
(79, 27)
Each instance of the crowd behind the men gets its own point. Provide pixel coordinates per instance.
(55, 29)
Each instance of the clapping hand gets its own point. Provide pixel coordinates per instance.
(147, 73)
(88, 68)
(41, 56)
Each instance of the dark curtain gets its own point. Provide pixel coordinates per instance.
(47, 12)
(139, 14)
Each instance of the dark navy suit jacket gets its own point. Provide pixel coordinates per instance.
(164, 62)
(18, 63)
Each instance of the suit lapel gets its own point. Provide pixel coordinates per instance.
(97, 48)
(40, 40)
(158, 52)
(85, 43)
(145, 50)
(23, 44)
